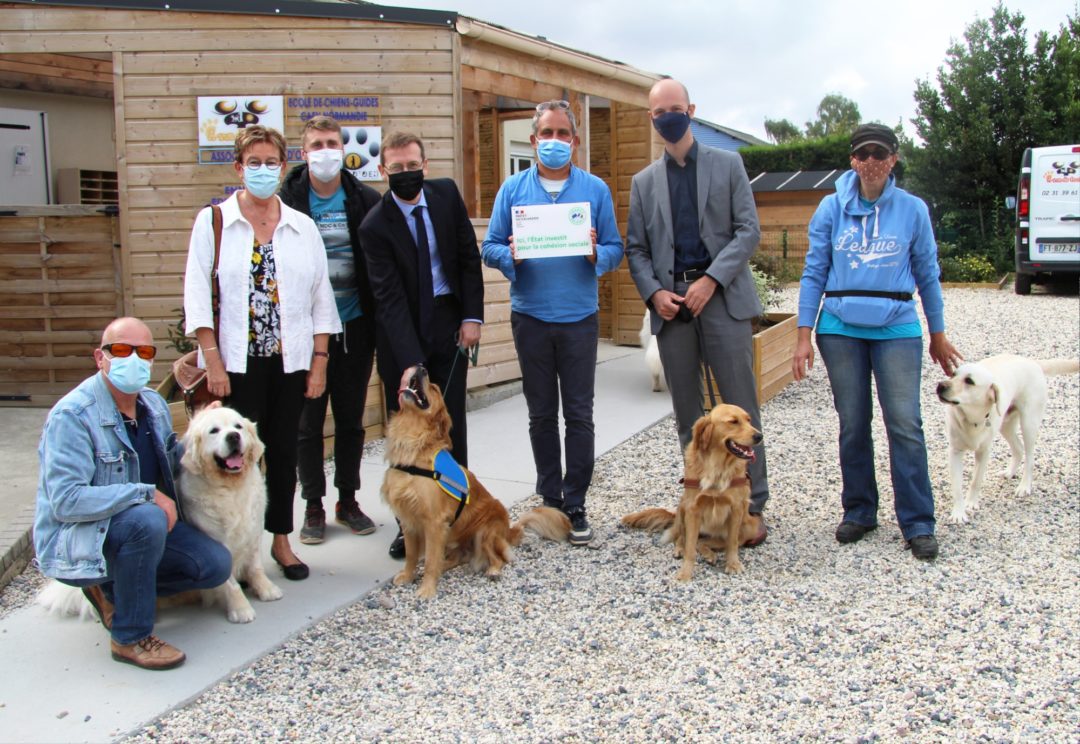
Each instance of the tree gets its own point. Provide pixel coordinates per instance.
(994, 97)
(782, 131)
(835, 115)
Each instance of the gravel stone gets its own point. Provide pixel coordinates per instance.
(814, 641)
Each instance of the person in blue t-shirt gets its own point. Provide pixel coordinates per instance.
(338, 203)
(554, 308)
(871, 245)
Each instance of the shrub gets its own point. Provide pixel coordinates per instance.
(766, 285)
(969, 268)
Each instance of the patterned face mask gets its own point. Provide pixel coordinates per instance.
(872, 170)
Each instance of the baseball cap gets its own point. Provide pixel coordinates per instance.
(874, 134)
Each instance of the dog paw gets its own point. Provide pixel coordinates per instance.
(404, 577)
(958, 516)
(241, 614)
(733, 567)
(684, 574)
(1023, 490)
(426, 591)
(269, 593)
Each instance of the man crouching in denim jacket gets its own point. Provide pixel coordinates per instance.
(106, 512)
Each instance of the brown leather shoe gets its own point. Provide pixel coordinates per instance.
(149, 653)
(101, 605)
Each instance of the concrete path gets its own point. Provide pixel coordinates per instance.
(60, 684)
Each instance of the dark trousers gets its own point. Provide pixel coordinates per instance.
(347, 376)
(273, 400)
(446, 366)
(145, 561)
(558, 360)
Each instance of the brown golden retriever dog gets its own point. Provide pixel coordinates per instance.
(482, 534)
(714, 511)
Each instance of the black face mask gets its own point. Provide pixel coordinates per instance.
(407, 184)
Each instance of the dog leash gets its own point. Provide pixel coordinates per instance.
(472, 356)
(709, 375)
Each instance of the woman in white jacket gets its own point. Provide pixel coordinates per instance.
(277, 312)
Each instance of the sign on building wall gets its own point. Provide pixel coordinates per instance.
(221, 117)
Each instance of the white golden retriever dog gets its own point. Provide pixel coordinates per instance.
(652, 354)
(999, 393)
(223, 494)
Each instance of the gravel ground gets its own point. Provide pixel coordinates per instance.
(814, 641)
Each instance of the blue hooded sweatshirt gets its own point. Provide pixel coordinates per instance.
(887, 246)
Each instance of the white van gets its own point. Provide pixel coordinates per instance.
(1047, 215)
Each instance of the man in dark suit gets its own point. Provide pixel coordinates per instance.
(429, 299)
(692, 229)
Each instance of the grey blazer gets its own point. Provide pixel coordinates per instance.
(728, 222)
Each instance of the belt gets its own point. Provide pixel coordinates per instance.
(444, 299)
(689, 275)
(901, 296)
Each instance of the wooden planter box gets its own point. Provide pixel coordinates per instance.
(774, 347)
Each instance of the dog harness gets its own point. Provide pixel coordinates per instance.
(448, 475)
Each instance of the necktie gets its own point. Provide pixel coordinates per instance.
(423, 269)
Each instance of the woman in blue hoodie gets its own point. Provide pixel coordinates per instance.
(871, 245)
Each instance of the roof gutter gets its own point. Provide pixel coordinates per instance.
(545, 50)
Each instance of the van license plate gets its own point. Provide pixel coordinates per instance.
(1059, 248)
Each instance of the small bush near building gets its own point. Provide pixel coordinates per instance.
(969, 268)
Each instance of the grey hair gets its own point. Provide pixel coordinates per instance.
(563, 106)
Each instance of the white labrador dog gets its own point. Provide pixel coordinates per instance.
(652, 354)
(223, 494)
(999, 393)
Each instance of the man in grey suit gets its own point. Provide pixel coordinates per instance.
(692, 229)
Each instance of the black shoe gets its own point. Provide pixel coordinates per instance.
(295, 572)
(314, 529)
(923, 547)
(350, 515)
(849, 532)
(397, 547)
(580, 531)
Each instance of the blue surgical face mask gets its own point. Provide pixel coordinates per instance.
(129, 374)
(553, 153)
(262, 182)
(672, 125)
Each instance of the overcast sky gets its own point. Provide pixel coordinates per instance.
(748, 60)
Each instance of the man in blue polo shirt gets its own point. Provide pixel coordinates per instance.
(554, 311)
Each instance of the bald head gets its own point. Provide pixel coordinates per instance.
(127, 330)
(669, 89)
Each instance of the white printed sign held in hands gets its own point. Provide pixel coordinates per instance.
(550, 230)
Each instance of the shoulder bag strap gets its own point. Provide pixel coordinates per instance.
(214, 300)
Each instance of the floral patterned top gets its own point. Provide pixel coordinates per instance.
(264, 329)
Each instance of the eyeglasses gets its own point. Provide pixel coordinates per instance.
(272, 163)
(552, 106)
(145, 351)
(412, 165)
(865, 153)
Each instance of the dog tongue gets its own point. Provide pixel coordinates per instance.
(753, 456)
(234, 462)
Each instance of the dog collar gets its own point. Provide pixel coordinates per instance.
(695, 483)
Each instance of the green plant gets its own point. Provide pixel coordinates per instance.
(969, 268)
(177, 339)
(766, 285)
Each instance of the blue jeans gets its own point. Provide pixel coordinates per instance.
(145, 561)
(896, 365)
(559, 360)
